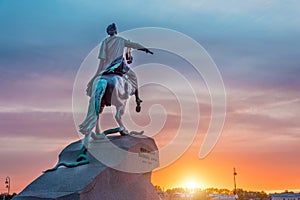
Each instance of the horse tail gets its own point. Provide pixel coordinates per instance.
(99, 93)
(99, 88)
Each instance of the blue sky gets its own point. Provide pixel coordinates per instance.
(262, 34)
(255, 45)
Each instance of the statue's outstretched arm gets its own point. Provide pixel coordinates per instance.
(146, 50)
(137, 46)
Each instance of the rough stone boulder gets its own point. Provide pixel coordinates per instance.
(119, 169)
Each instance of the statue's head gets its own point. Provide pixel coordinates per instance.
(111, 29)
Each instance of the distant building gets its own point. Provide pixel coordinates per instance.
(221, 197)
(180, 196)
(285, 196)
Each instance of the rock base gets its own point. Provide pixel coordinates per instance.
(95, 180)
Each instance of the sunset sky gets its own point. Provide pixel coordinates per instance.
(255, 45)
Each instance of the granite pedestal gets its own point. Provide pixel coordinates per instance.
(101, 179)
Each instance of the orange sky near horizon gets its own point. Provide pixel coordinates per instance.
(256, 171)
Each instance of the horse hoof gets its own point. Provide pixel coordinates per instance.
(98, 136)
(124, 132)
(138, 105)
(83, 132)
(138, 108)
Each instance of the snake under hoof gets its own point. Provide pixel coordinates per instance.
(82, 159)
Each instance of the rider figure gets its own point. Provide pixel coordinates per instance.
(111, 50)
(111, 62)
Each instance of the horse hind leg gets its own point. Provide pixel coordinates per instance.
(98, 135)
(118, 117)
(97, 130)
(99, 87)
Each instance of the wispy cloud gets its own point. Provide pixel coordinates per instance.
(37, 93)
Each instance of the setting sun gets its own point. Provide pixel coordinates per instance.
(191, 185)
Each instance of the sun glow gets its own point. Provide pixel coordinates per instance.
(191, 185)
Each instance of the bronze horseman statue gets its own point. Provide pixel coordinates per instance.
(112, 84)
